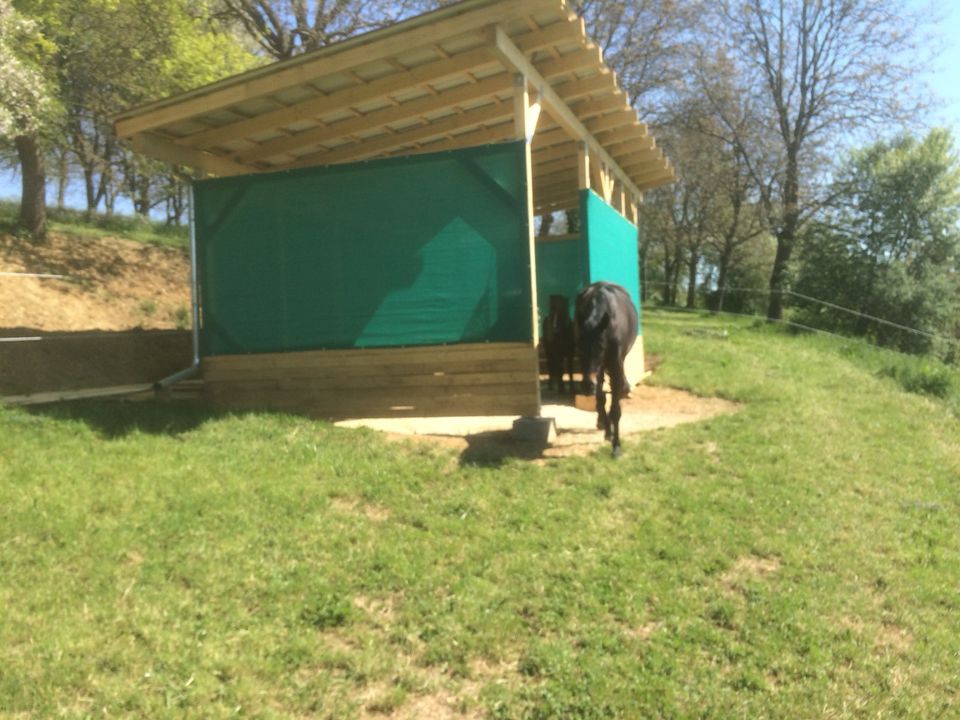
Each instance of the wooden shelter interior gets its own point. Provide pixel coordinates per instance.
(472, 73)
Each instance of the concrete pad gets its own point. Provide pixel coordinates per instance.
(576, 432)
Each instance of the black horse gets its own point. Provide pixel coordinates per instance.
(607, 324)
(558, 342)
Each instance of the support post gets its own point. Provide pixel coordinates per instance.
(523, 120)
(583, 167)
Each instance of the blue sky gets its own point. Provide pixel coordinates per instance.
(943, 78)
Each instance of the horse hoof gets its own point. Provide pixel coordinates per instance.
(617, 452)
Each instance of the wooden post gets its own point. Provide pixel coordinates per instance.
(583, 167)
(524, 120)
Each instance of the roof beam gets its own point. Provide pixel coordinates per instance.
(471, 138)
(554, 105)
(353, 95)
(158, 147)
(411, 110)
(417, 32)
(372, 147)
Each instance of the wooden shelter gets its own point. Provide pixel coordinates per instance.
(510, 97)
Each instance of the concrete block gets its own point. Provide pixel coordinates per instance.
(539, 430)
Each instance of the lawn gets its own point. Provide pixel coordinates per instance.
(797, 559)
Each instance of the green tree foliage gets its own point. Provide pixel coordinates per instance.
(816, 71)
(28, 108)
(889, 245)
(100, 56)
(26, 103)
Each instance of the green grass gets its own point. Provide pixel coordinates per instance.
(797, 559)
(76, 222)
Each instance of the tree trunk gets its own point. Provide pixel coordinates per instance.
(692, 264)
(786, 238)
(91, 190)
(33, 200)
(63, 175)
(722, 272)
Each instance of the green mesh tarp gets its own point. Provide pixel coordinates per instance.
(409, 251)
(606, 250)
(611, 243)
(561, 270)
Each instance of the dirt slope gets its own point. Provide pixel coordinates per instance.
(109, 284)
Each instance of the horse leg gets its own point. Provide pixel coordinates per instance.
(616, 389)
(603, 421)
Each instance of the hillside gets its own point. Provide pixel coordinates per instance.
(797, 559)
(108, 283)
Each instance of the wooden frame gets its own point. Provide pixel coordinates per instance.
(469, 379)
(472, 73)
(441, 81)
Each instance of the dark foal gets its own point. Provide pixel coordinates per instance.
(558, 342)
(607, 324)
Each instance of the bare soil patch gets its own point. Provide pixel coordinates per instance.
(108, 284)
(490, 440)
(108, 320)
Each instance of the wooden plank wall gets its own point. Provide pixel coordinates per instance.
(469, 379)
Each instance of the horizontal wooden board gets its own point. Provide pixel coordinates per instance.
(447, 380)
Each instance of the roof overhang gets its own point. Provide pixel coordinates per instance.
(440, 81)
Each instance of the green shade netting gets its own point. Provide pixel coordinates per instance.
(605, 250)
(561, 270)
(612, 245)
(410, 251)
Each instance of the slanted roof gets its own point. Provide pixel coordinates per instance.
(439, 81)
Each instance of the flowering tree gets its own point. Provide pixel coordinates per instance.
(27, 109)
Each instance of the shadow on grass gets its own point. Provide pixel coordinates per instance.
(113, 419)
(494, 448)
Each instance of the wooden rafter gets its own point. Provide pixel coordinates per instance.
(337, 58)
(434, 83)
(553, 104)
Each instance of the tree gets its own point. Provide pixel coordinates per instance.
(889, 245)
(27, 110)
(646, 43)
(284, 28)
(817, 70)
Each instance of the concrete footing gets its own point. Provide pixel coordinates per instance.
(539, 430)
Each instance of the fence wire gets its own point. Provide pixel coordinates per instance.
(808, 298)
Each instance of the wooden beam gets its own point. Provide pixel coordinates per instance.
(583, 167)
(382, 144)
(614, 120)
(603, 82)
(550, 137)
(472, 60)
(589, 57)
(394, 40)
(585, 109)
(553, 104)
(160, 148)
(652, 183)
(354, 95)
(523, 121)
(471, 138)
(572, 29)
(411, 110)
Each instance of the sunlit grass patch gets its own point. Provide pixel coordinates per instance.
(796, 559)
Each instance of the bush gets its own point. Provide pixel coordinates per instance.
(923, 379)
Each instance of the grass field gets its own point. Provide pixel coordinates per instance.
(76, 222)
(799, 559)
